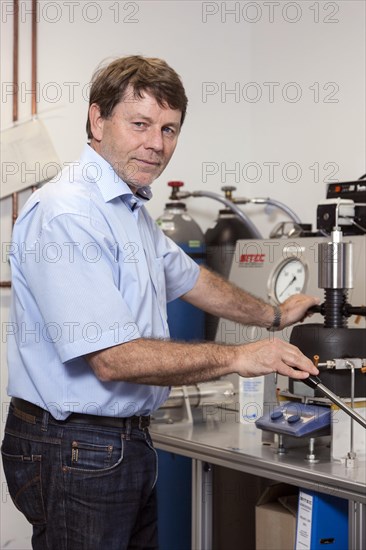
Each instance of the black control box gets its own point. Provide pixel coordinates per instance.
(326, 213)
(354, 190)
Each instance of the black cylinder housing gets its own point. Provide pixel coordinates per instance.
(332, 343)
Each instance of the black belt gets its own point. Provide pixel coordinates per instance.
(77, 418)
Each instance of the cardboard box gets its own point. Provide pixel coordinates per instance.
(275, 518)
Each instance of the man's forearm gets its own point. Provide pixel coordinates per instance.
(219, 297)
(162, 363)
(165, 363)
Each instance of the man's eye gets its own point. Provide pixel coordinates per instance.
(169, 131)
(139, 124)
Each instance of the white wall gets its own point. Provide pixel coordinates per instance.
(295, 119)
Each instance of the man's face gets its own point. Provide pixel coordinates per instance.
(138, 139)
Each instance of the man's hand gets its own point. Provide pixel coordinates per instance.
(295, 309)
(272, 355)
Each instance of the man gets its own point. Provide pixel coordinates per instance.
(90, 356)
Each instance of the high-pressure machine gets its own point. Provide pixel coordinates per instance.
(330, 263)
(324, 417)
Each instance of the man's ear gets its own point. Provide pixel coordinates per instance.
(96, 121)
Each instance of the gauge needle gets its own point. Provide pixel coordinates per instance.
(290, 283)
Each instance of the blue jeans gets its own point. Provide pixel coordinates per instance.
(82, 487)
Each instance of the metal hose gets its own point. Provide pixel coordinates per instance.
(243, 217)
(291, 214)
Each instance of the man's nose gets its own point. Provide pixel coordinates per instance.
(154, 139)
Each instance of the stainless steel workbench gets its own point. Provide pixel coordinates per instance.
(223, 441)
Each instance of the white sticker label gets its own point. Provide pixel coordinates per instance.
(303, 531)
(167, 226)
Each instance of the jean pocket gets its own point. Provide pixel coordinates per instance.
(23, 476)
(151, 446)
(83, 456)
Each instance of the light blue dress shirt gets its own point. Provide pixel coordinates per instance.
(90, 270)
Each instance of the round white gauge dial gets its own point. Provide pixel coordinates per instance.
(289, 279)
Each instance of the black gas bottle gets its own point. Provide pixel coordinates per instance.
(220, 247)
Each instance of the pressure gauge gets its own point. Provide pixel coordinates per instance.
(287, 279)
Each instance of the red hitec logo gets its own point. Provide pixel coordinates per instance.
(252, 259)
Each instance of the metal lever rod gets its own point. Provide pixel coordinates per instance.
(314, 382)
(351, 412)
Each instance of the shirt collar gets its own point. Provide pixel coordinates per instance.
(98, 170)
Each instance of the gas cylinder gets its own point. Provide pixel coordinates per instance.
(220, 247)
(185, 321)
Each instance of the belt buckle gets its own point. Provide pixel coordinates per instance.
(143, 422)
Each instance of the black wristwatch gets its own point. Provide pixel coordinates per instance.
(276, 319)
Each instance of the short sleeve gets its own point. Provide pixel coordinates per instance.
(73, 276)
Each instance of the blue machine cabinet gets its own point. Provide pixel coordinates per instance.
(174, 489)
